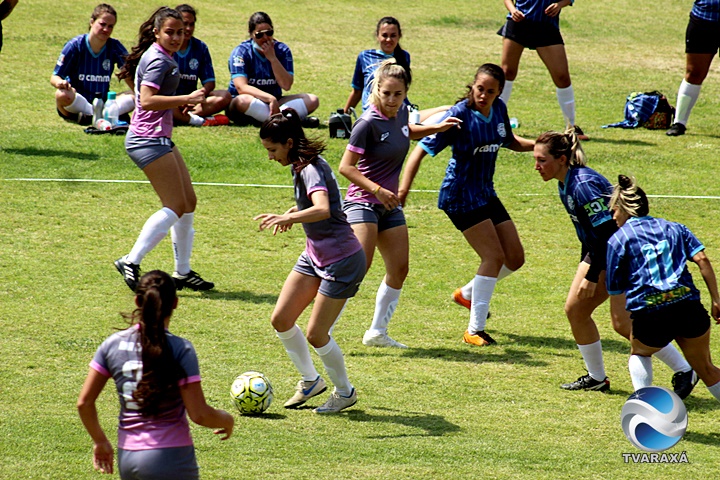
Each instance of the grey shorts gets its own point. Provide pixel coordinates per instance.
(145, 150)
(338, 280)
(177, 463)
(363, 212)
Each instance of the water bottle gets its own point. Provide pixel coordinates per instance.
(103, 124)
(414, 115)
(514, 122)
(111, 111)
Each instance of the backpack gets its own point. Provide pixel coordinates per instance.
(650, 110)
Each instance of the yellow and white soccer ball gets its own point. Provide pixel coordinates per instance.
(251, 393)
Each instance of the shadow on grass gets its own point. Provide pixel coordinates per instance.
(265, 416)
(608, 345)
(39, 152)
(433, 425)
(704, 438)
(470, 354)
(701, 405)
(623, 141)
(243, 295)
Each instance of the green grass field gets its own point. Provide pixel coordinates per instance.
(441, 409)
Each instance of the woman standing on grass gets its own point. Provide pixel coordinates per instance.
(149, 145)
(647, 264)
(373, 159)
(83, 71)
(329, 271)
(388, 34)
(157, 379)
(586, 194)
(535, 24)
(467, 194)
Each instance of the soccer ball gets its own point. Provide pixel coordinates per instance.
(251, 393)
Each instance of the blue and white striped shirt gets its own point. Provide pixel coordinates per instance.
(367, 63)
(245, 61)
(706, 10)
(195, 64)
(534, 11)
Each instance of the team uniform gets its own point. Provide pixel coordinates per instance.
(703, 31)
(366, 64)
(89, 73)
(647, 260)
(142, 440)
(382, 144)
(149, 135)
(467, 192)
(537, 29)
(194, 64)
(245, 61)
(332, 251)
(585, 195)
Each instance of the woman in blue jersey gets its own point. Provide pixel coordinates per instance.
(388, 34)
(261, 68)
(195, 64)
(84, 68)
(585, 194)
(148, 143)
(467, 194)
(535, 24)
(328, 272)
(372, 161)
(647, 263)
(701, 44)
(157, 379)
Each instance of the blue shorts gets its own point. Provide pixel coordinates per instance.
(531, 34)
(365, 212)
(493, 210)
(178, 463)
(338, 280)
(145, 150)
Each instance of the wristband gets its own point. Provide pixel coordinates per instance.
(377, 189)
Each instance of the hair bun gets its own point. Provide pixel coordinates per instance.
(624, 181)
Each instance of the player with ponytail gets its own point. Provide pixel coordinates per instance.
(585, 194)
(157, 379)
(647, 267)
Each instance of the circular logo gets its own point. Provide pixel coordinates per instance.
(194, 64)
(654, 419)
(107, 64)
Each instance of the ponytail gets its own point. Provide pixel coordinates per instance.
(286, 125)
(630, 198)
(567, 144)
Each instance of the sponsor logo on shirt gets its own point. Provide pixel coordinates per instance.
(487, 149)
(94, 78)
(175, 71)
(501, 130)
(238, 61)
(188, 76)
(61, 60)
(384, 136)
(571, 203)
(263, 82)
(107, 64)
(194, 64)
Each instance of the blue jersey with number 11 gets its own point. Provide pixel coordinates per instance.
(647, 259)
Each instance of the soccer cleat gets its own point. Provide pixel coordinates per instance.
(337, 402)
(216, 120)
(305, 391)
(310, 122)
(676, 129)
(380, 340)
(481, 339)
(586, 382)
(684, 382)
(98, 106)
(460, 300)
(193, 281)
(129, 271)
(580, 134)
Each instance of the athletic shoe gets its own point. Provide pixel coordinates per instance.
(676, 129)
(580, 134)
(98, 106)
(310, 122)
(684, 382)
(193, 281)
(480, 339)
(337, 402)
(216, 120)
(460, 300)
(380, 340)
(586, 382)
(129, 271)
(305, 391)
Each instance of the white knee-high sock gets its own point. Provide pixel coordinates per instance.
(593, 357)
(182, 234)
(258, 110)
(385, 304)
(641, 371)
(298, 104)
(467, 288)
(687, 96)
(154, 230)
(126, 103)
(482, 291)
(566, 99)
(332, 358)
(507, 91)
(80, 105)
(671, 357)
(715, 391)
(297, 349)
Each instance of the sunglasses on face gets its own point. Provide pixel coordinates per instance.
(262, 33)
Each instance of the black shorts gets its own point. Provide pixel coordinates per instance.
(702, 36)
(494, 210)
(76, 118)
(531, 34)
(658, 327)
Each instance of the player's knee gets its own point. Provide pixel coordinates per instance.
(64, 97)
(280, 323)
(312, 102)
(317, 338)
